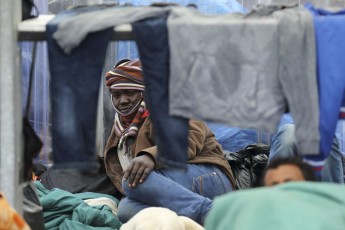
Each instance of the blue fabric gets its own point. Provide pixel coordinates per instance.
(74, 85)
(234, 139)
(171, 132)
(188, 193)
(204, 6)
(231, 138)
(330, 33)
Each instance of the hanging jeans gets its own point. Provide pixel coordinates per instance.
(75, 82)
(188, 193)
(284, 145)
(171, 131)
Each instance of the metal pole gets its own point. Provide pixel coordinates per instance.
(10, 105)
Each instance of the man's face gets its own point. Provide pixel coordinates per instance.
(282, 174)
(125, 99)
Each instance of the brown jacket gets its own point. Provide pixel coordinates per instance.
(203, 149)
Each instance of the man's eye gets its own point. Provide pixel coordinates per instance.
(131, 93)
(116, 95)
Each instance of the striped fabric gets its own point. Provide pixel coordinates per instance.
(342, 113)
(131, 130)
(317, 164)
(127, 74)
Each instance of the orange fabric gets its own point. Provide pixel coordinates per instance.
(9, 218)
(18, 221)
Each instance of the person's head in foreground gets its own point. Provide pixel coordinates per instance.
(126, 86)
(281, 170)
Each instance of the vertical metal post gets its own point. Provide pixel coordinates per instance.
(10, 105)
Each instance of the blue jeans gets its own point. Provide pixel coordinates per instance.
(188, 193)
(170, 130)
(284, 145)
(74, 86)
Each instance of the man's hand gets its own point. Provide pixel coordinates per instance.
(138, 170)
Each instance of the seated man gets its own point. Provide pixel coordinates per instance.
(130, 156)
(297, 204)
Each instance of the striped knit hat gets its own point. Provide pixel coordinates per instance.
(127, 74)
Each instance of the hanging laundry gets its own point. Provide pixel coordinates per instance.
(330, 46)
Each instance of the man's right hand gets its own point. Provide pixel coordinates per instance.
(138, 170)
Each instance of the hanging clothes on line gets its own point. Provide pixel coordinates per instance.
(260, 81)
(246, 70)
(75, 84)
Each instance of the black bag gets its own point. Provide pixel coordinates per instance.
(32, 209)
(75, 181)
(248, 164)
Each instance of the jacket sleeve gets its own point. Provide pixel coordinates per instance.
(145, 142)
(196, 138)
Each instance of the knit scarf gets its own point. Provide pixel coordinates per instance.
(128, 134)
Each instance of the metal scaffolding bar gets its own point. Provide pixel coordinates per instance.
(34, 30)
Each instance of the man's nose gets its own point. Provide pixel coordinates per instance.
(124, 99)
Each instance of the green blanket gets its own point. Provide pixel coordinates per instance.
(64, 210)
(290, 206)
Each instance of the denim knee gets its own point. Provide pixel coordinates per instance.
(129, 206)
(126, 210)
(287, 133)
(333, 167)
(131, 192)
(284, 142)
